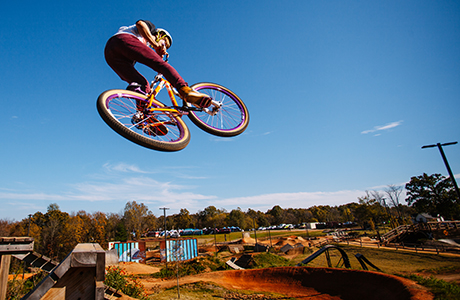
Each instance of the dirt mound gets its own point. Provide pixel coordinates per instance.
(138, 268)
(314, 283)
(248, 240)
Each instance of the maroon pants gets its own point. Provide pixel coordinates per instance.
(122, 51)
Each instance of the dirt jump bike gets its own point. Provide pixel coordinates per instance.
(144, 120)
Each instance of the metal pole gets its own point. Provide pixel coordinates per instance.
(166, 237)
(270, 236)
(215, 238)
(452, 178)
(255, 233)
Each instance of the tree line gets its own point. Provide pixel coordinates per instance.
(56, 232)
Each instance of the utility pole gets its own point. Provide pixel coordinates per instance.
(255, 233)
(166, 237)
(439, 145)
(214, 230)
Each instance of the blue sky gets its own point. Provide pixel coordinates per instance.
(341, 94)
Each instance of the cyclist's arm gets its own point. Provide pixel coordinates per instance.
(144, 31)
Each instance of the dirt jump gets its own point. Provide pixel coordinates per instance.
(311, 283)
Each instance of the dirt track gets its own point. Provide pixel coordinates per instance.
(311, 283)
(299, 282)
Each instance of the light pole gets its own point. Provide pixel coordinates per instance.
(255, 233)
(439, 145)
(166, 238)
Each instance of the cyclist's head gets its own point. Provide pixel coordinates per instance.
(163, 34)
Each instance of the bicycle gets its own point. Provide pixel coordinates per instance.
(146, 121)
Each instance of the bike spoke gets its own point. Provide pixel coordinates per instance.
(124, 108)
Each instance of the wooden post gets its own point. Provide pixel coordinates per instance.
(11, 246)
(4, 270)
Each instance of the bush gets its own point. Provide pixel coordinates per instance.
(440, 288)
(191, 267)
(119, 280)
(17, 288)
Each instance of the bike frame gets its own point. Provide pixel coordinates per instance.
(160, 83)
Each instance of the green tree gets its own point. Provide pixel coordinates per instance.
(368, 212)
(237, 218)
(183, 219)
(211, 216)
(113, 221)
(433, 194)
(320, 213)
(53, 233)
(277, 214)
(134, 217)
(121, 235)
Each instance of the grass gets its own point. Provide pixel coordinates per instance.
(440, 288)
(269, 260)
(389, 261)
(264, 235)
(191, 267)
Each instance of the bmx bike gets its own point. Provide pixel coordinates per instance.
(146, 121)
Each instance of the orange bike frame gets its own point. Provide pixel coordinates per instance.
(162, 83)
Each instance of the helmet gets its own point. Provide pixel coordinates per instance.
(163, 33)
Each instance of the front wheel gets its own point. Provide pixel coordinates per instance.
(158, 130)
(231, 118)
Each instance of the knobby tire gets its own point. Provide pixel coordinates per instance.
(233, 117)
(117, 108)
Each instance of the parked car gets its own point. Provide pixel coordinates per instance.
(225, 230)
(170, 233)
(153, 234)
(191, 231)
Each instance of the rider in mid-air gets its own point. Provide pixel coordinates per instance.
(132, 44)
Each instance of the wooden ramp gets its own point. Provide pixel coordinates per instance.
(397, 233)
(431, 229)
(79, 276)
(37, 260)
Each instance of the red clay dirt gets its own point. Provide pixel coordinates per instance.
(311, 283)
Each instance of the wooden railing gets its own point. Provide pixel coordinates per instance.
(429, 226)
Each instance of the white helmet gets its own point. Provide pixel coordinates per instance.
(163, 33)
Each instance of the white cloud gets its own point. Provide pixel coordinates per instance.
(111, 194)
(290, 200)
(157, 194)
(384, 127)
(125, 168)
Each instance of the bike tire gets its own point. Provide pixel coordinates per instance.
(230, 120)
(118, 107)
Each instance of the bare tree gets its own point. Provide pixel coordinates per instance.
(379, 197)
(394, 192)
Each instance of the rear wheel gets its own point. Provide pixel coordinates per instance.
(158, 130)
(230, 119)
